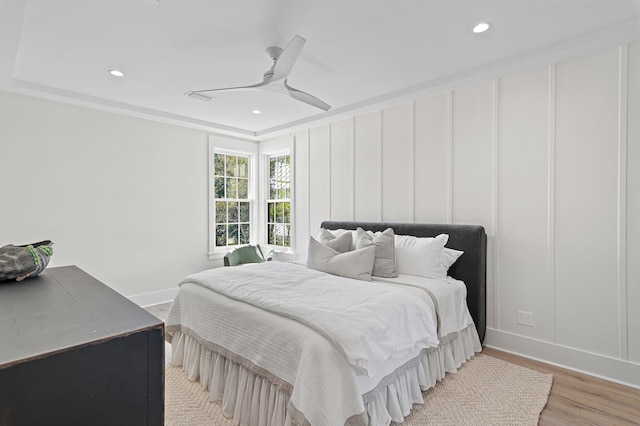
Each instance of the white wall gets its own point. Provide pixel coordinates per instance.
(124, 199)
(547, 160)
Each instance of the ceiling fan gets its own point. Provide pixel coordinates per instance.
(275, 78)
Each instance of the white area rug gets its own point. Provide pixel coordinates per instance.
(485, 391)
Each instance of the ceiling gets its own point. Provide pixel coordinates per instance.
(359, 53)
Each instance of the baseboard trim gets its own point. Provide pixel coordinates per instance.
(615, 370)
(154, 298)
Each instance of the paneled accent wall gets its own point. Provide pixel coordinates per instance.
(342, 170)
(547, 160)
(367, 161)
(432, 138)
(586, 203)
(319, 176)
(397, 164)
(524, 204)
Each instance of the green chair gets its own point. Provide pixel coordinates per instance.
(245, 254)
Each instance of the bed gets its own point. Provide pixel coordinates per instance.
(276, 360)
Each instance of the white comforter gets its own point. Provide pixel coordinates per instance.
(324, 386)
(369, 322)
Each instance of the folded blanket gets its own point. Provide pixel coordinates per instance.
(450, 296)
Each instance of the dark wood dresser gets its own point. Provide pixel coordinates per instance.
(75, 352)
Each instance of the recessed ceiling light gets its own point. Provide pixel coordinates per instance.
(256, 111)
(481, 27)
(116, 73)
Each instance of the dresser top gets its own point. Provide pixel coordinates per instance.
(61, 309)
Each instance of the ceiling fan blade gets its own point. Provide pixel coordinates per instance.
(307, 98)
(200, 94)
(288, 58)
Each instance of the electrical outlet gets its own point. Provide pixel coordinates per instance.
(525, 318)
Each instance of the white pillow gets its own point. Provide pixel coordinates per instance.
(421, 256)
(339, 242)
(385, 263)
(338, 233)
(353, 264)
(449, 257)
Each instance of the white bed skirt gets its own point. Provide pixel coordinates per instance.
(252, 400)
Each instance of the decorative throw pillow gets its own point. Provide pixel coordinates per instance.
(338, 233)
(449, 257)
(353, 264)
(340, 242)
(20, 262)
(421, 256)
(384, 264)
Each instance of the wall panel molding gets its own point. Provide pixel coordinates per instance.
(632, 201)
(551, 200)
(622, 203)
(449, 182)
(412, 162)
(495, 146)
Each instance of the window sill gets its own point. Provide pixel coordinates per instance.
(216, 255)
(282, 256)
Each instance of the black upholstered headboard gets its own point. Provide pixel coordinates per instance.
(471, 267)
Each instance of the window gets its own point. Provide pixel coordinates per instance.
(250, 194)
(232, 205)
(279, 201)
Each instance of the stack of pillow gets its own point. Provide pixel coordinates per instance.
(362, 254)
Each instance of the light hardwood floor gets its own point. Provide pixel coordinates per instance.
(575, 398)
(580, 399)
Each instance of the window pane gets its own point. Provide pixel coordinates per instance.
(233, 235)
(230, 183)
(287, 236)
(221, 212)
(286, 207)
(271, 235)
(244, 212)
(231, 165)
(243, 188)
(244, 233)
(232, 188)
(221, 235)
(272, 179)
(219, 187)
(279, 214)
(233, 212)
(271, 209)
(218, 164)
(279, 236)
(243, 167)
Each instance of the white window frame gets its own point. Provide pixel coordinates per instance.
(267, 198)
(231, 146)
(274, 148)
